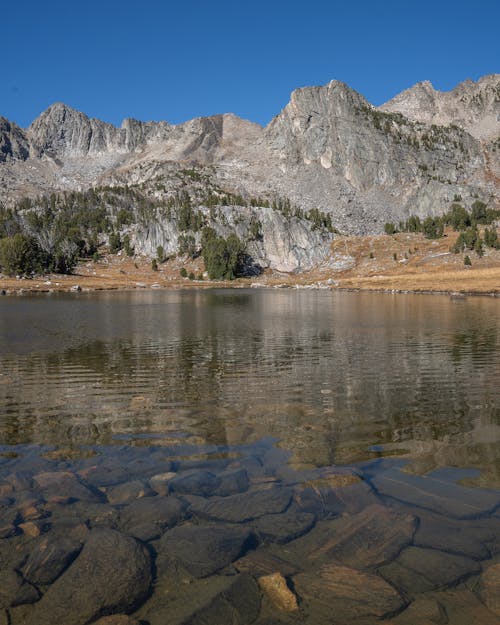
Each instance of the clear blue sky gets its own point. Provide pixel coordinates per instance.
(174, 60)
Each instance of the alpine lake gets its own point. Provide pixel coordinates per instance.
(240, 456)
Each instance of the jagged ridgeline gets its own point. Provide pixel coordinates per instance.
(341, 162)
(187, 216)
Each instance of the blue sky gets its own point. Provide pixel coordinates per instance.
(160, 59)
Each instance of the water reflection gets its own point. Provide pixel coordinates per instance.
(330, 375)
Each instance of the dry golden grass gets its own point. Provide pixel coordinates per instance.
(404, 262)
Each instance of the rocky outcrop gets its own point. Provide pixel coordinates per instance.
(13, 142)
(473, 106)
(329, 149)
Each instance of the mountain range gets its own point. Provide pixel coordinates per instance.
(328, 149)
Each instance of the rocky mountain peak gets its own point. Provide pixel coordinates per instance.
(474, 106)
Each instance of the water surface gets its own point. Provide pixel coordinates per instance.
(401, 393)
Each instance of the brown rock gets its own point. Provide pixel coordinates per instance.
(64, 487)
(262, 562)
(30, 529)
(368, 539)
(423, 611)
(274, 586)
(117, 619)
(337, 593)
(489, 588)
(5, 489)
(420, 570)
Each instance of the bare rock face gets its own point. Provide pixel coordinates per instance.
(13, 142)
(329, 149)
(474, 106)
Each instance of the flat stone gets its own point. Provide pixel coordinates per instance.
(423, 611)
(239, 604)
(489, 588)
(201, 550)
(419, 570)
(149, 517)
(20, 480)
(341, 594)
(127, 492)
(367, 539)
(261, 562)
(247, 506)
(469, 538)
(160, 482)
(104, 476)
(65, 487)
(232, 482)
(201, 483)
(49, 557)
(117, 619)
(111, 574)
(14, 591)
(462, 607)
(284, 527)
(438, 495)
(364, 540)
(276, 589)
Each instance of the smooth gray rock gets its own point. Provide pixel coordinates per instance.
(14, 591)
(239, 604)
(149, 517)
(437, 495)
(127, 492)
(49, 556)
(201, 550)
(194, 482)
(421, 570)
(247, 506)
(284, 527)
(111, 574)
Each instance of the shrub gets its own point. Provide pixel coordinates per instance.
(22, 255)
(115, 242)
(389, 228)
(183, 272)
(223, 258)
(191, 275)
(154, 265)
(467, 261)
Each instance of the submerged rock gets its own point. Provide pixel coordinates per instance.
(274, 586)
(149, 517)
(14, 590)
(437, 495)
(127, 492)
(284, 527)
(489, 588)
(49, 557)
(247, 506)
(341, 594)
(64, 487)
(112, 574)
(201, 483)
(237, 605)
(419, 570)
(364, 540)
(201, 550)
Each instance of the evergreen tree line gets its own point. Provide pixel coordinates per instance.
(461, 220)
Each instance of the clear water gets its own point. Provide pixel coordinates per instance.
(298, 382)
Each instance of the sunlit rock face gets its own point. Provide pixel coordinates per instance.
(328, 149)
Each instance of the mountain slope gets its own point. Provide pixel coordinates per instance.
(329, 149)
